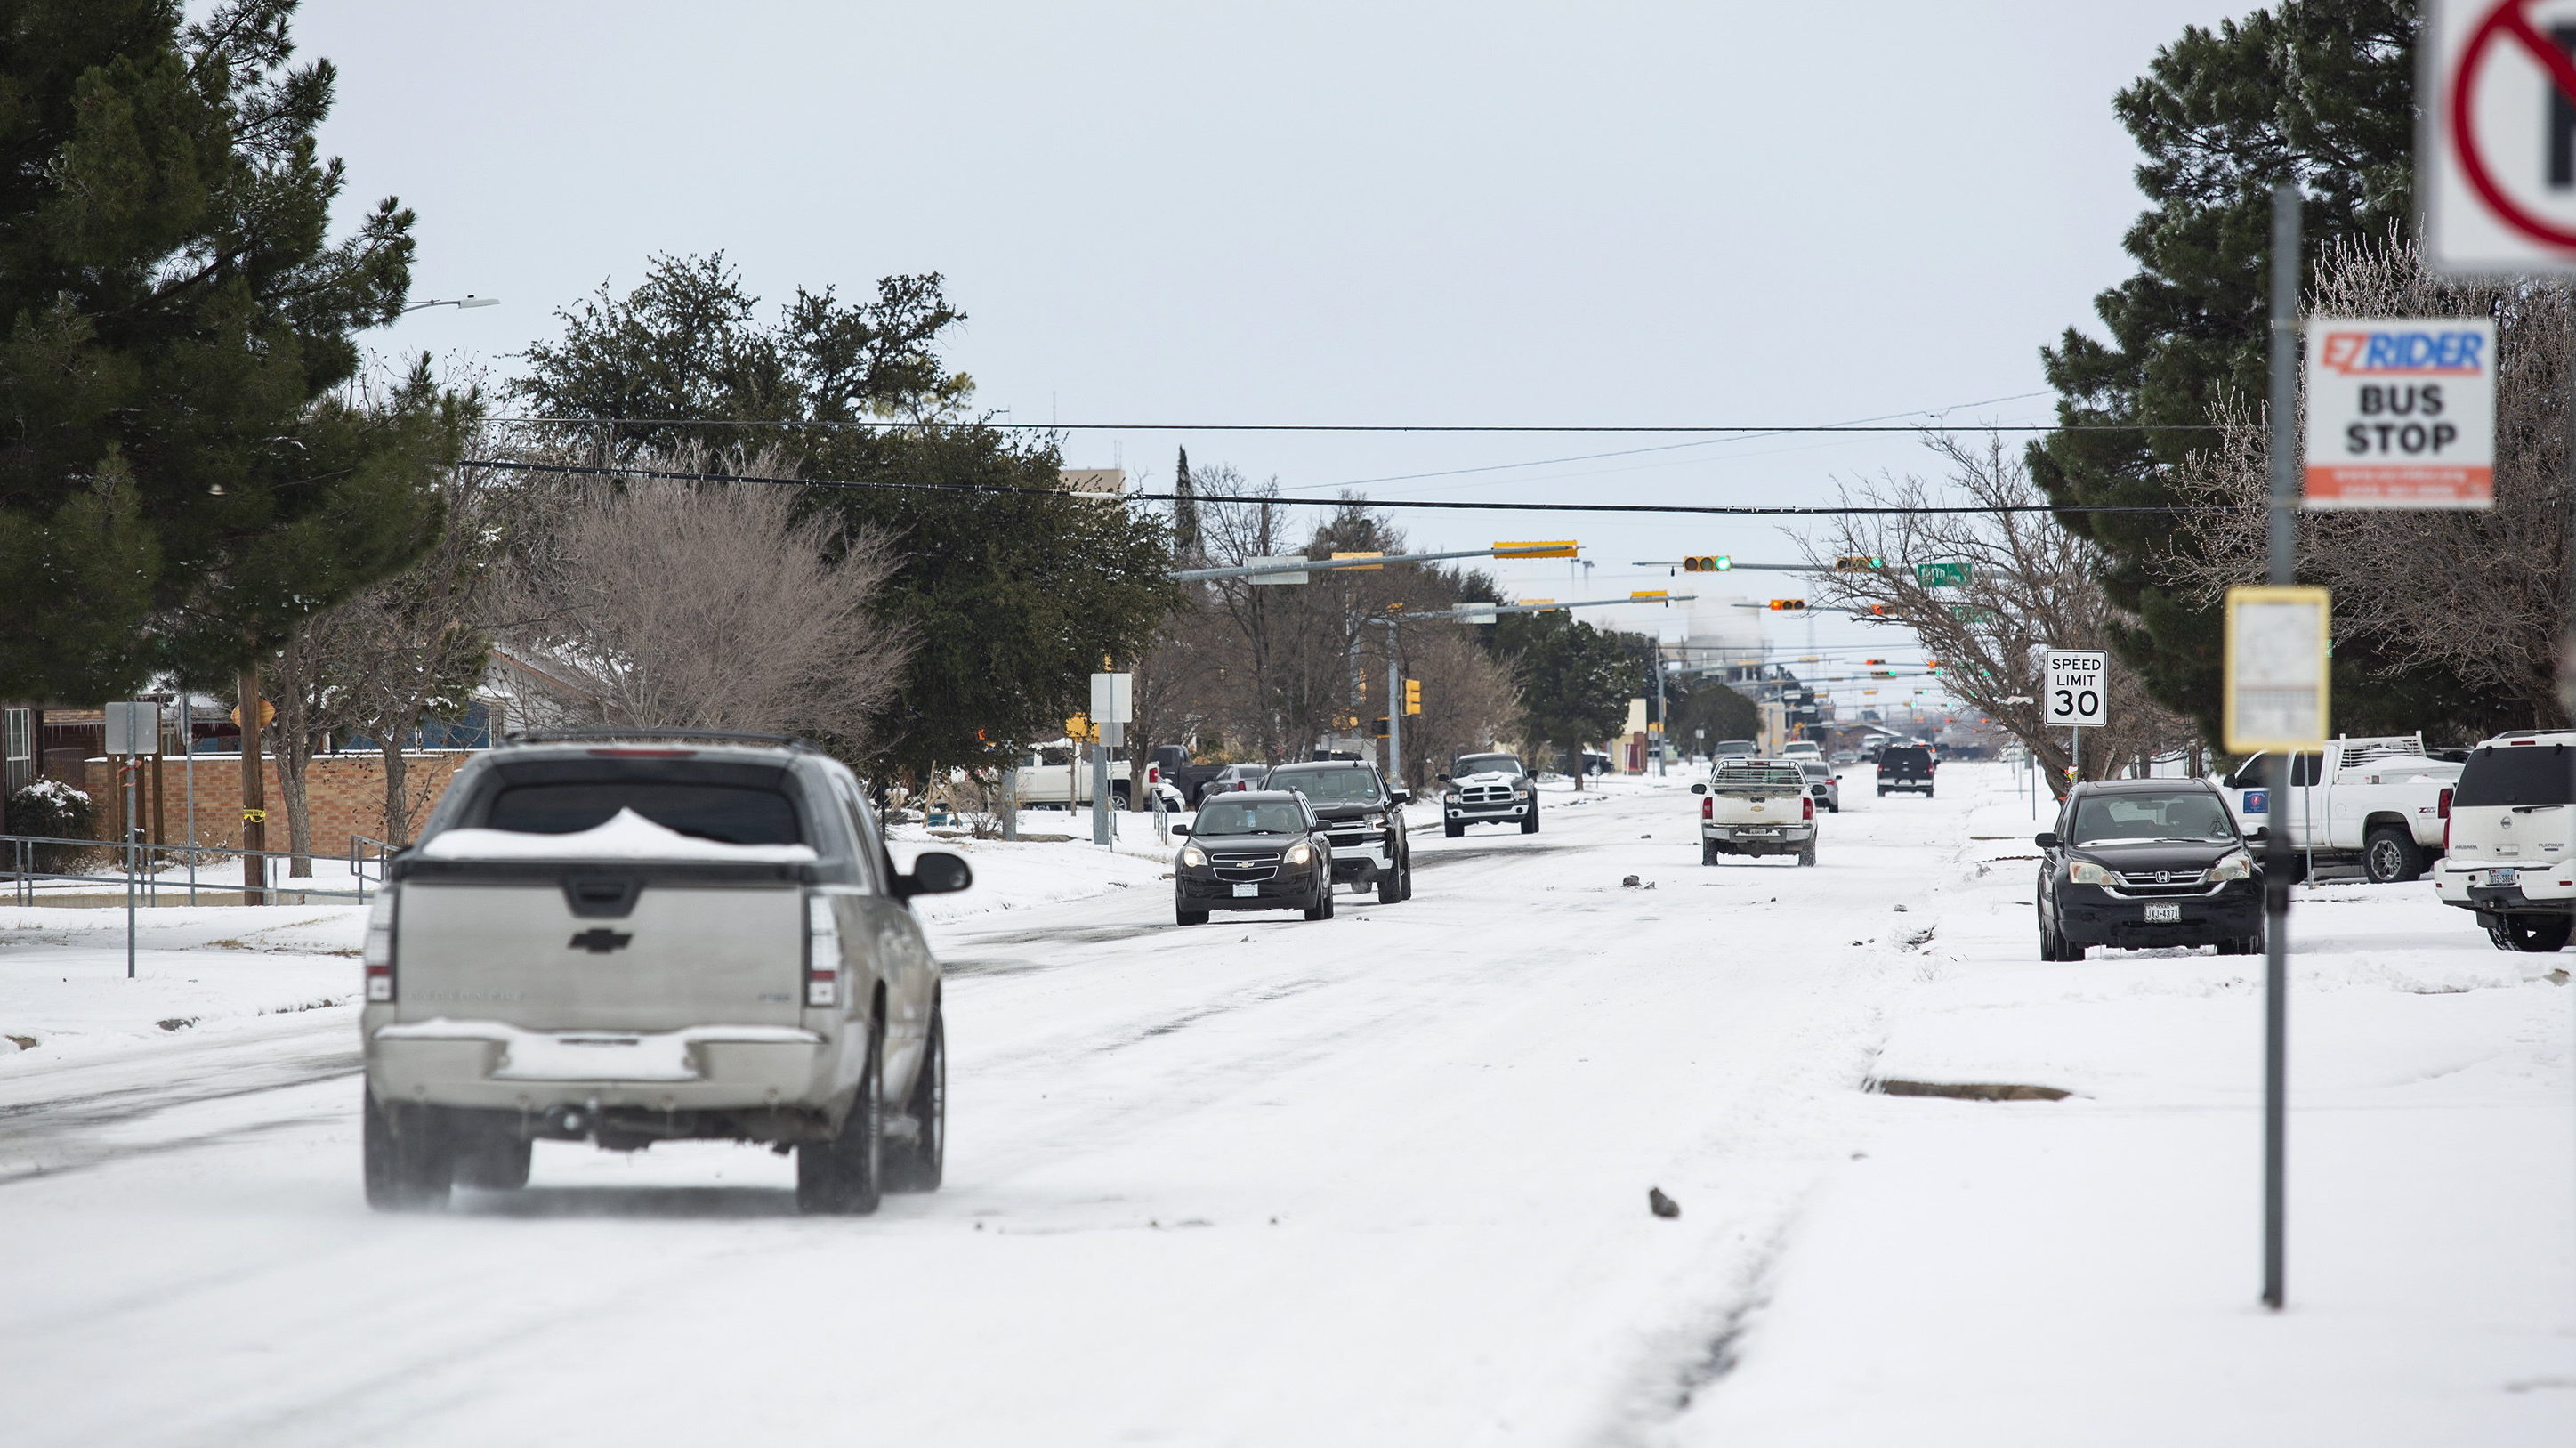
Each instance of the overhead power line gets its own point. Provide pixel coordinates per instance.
(896, 425)
(1444, 504)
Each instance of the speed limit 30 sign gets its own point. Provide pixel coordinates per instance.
(2078, 687)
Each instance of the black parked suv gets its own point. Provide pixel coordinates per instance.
(1365, 819)
(1254, 850)
(2147, 862)
(1907, 767)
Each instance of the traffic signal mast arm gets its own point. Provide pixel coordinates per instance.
(1480, 611)
(1319, 565)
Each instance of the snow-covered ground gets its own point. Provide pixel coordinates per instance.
(1379, 1179)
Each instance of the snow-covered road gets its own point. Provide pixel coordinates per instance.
(1379, 1179)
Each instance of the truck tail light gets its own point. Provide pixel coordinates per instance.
(1708, 809)
(1153, 774)
(1806, 806)
(378, 957)
(2442, 805)
(822, 953)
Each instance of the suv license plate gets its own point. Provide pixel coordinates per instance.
(1245, 892)
(2164, 915)
(2504, 877)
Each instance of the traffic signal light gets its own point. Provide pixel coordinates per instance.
(1788, 605)
(1708, 563)
(1858, 563)
(1413, 696)
(1873, 661)
(1878, 610)
(1381, 726)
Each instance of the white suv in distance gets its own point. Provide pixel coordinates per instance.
(2509, 853)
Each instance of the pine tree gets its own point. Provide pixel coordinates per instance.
(2313, 90)
(178, 482)
(1576, 680)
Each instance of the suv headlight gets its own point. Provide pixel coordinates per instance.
(2238, 866)
(1192, 856)
(2085, 872)
(1300, 852)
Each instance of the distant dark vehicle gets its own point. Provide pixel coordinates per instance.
(2146, 862)
(1365, 818)
(1734, 749)
(1169, 767)
(1488, 789)
(1254, 850)
(1231, 778)
(1905, 767)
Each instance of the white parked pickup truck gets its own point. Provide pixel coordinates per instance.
(1757, 807)
(646, 936)
(2378, 803)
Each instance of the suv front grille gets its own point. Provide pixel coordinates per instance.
(2162, 882)
(1485, 794)
(1260, 866)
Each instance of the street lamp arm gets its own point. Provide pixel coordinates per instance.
(457, 302)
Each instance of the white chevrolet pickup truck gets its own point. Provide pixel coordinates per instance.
(2379, 803)
(645, 936)
(1756, 807)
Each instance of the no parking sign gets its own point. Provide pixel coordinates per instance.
(2496, 158)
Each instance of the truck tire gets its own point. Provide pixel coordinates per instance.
(2391, 857)
(1408, 875)
(1184, 915)
(2540, 934)
(1708, 852)
(407, 1158)
(1529, 826)
(1453, 831)
(844, 1175)
(495, 1161)
(1807, 856)
(918, 1164)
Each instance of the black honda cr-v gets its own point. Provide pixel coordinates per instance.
(2143, 862)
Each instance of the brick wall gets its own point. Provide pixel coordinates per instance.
(347, 793)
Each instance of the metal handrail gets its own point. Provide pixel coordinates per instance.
(21, 849)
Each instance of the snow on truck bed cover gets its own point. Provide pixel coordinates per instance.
(625, 836)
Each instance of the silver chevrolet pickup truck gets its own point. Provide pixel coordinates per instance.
(650, 935)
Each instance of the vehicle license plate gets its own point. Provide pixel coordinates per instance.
(1245, 892)
(2164, 915)
(2503, 877)
(1761, 832)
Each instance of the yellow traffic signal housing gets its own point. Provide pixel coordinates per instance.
(1857, 563)
(1381, 726)
(1413, 696)
(1708, 563)
(1788, 605)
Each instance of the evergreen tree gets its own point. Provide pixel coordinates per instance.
(178, 483)
(2317, 91)
(1576, 680)
(1010, 599)
(1186, 542)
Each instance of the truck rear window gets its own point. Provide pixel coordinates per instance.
(2510, 774)
(731, 814)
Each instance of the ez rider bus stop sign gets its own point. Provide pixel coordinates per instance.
(2496, 156)
(2401, 412)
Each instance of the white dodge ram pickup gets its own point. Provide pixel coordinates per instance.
(1758, 807)
(650, 935)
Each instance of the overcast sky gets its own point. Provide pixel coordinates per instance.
(1710, 213)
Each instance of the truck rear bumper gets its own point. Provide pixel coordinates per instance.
(498, 1066)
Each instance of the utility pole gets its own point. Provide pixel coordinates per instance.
(254, 807)
(1394, 708)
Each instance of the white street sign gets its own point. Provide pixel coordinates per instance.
(1113, 698)
(132, 728)
(1271, 580)
(2277, 685)
(2079, 683)
(2401, 412)
(2495, 150)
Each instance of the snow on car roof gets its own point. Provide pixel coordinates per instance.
(625, 835)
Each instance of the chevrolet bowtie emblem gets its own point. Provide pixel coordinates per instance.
(601, 940)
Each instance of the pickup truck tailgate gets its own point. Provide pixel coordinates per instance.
(678, 953)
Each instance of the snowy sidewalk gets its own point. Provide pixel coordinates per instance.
(2086, 1270)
